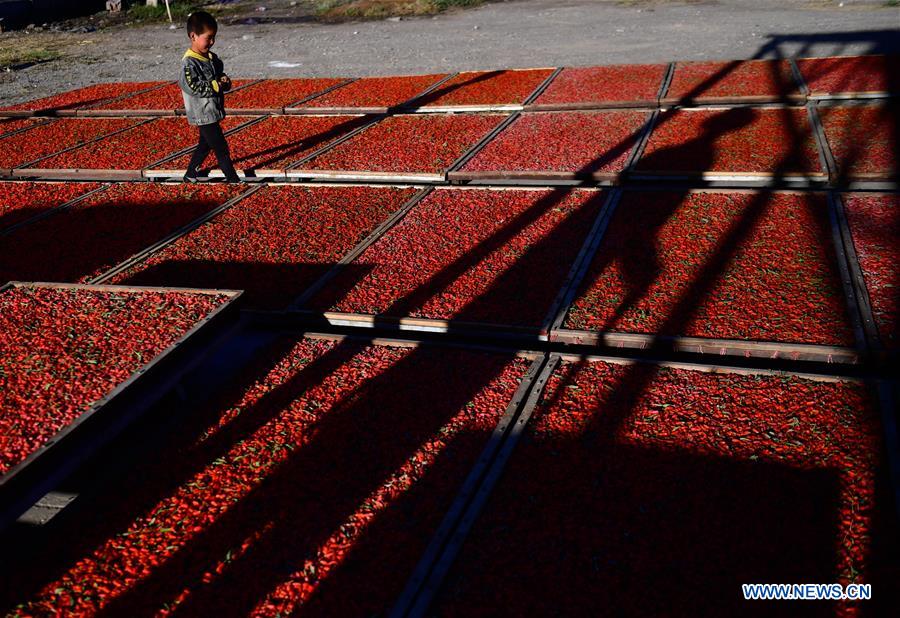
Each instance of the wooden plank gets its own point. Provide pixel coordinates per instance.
(705, 189)
(638, 151)
(471, 109)
(182, 231)
(854, 274)
(582, 263)
(100, 175)
(250, 82)
(711, 347)
(636, 105)
(871, 176)
(177, 174)
(480, 144)
(526, 335)
(871, 185)
(254, 111)
(849, 96)
(814, 180)
(666, 82)
(410, 105)
(316, 95)
(827, 103)
(17, 113)
(417, 605)
(826, 158)
(547, 176)
(683, 184)
(125, 113)
(123, 288)
(542, 87)
(358, 250)
(467, 492)
(789, 100)
(335, 111)
(839, 234)
(798, 77)
(728, 106)
(47, 508)
(392, 341)
(711, 367)
(349, 175)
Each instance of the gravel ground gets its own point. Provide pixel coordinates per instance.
(521, 33)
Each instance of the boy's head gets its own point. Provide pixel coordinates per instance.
(201, 29)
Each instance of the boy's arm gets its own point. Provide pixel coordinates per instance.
(192, 81)
(224, 80)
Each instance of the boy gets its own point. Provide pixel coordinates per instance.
(204, 84)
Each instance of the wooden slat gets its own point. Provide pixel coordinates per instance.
(712, 347)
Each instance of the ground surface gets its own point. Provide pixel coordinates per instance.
(520, 33)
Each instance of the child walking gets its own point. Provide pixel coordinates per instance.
(204, 84)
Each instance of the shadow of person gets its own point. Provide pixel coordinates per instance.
(637, 250)
(697, 155)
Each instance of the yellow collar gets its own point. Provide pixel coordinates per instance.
(192, 54)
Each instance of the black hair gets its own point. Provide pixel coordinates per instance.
(199, 22)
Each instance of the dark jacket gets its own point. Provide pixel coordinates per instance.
(204, 96)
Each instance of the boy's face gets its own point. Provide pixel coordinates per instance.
(204, 41)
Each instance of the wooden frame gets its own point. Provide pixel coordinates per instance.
(31, 478)
(694, 345)
(455, 174)
(498, 107)
(51, 112)
(142, 255)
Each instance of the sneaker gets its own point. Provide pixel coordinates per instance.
(234, 180)
(189, 178)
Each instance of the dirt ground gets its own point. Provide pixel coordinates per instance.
(285, 41)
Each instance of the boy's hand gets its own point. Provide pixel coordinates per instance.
(225, 82)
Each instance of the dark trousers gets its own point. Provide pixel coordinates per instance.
(212, 138)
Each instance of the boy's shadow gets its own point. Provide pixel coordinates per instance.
(637, 252)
